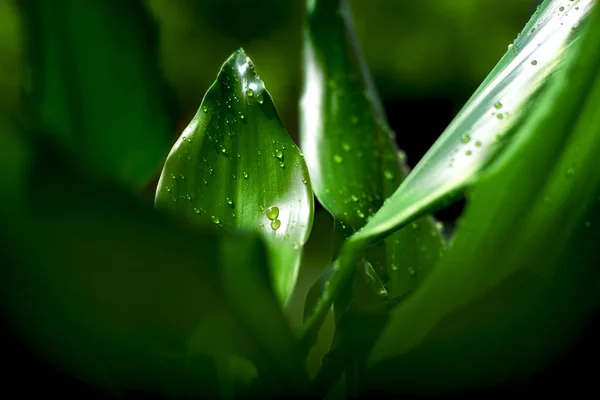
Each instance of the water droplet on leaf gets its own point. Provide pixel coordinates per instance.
(275, 224)
(272, 213)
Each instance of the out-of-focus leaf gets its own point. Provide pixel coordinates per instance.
(236, 166)
(522, 274)
(488, 120)
(119, 295)
(350, 150)
(95, 84)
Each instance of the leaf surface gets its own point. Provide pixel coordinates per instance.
(235, 167)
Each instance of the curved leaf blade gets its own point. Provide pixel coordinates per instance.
(541, 199)
(350, 150)
(99, 91)
(149, 305)
(496, 110)
(236, 166)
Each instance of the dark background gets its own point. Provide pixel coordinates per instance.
(426, 57)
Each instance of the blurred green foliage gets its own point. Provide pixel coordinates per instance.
(426, 48)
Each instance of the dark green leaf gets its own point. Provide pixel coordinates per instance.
(95, 85)
(521, 276)
(350, 150)
(236, 166)
(121, 296)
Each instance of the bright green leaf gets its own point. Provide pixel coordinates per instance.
(488, 120)
(122, 297)
(521, 276)
(95, 85)
(236, 167)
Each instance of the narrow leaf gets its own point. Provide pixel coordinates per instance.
(95, 83)
(350, 150)
(236, 166)
(510, 298)
(489, 118)
(121, 296)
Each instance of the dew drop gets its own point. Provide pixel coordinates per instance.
(246, 175)
(282, 164)
(338, 159)
(277, 153)
(411, 270)
(500, 116)
(394, 267)
(533, 62)
(561, 9)
(570, 172)
(250, 93)
(468, 152)
(354, 198)
(360, 214)
(205, 109)
(498, 105)
(465, 138)
(478, 143)
(275, 224)
(272, 213)
(215, 220)
(224, 151)
(304, 181)
(229, 202)
(388, 175)
(346, 147)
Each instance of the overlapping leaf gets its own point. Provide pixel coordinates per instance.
(508, 299)
(478, 133)
(489, 118)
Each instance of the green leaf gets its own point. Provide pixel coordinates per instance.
(446, 171)
(350, 150)
(355, 165)
(488, 120)
(521, 277)
(235, 165)
(123, 297)
(95, 84)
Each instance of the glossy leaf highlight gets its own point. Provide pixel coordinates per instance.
(235, 166)
(507, 312)
(488, 120)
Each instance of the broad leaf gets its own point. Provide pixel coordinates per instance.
(496, 110)
(121, 296)
(95, 84)
(236, 166)
(522, 274)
